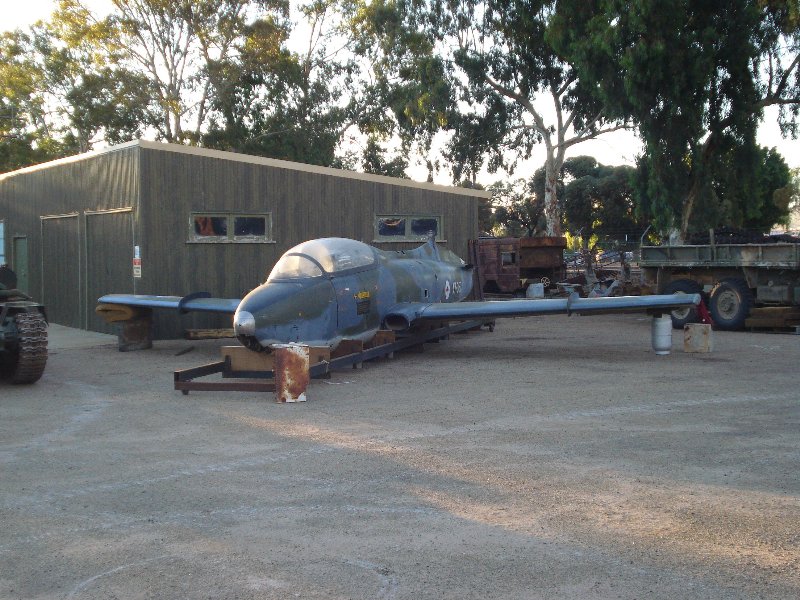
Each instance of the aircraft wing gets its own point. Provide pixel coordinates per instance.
(200, 302)
(403, 315)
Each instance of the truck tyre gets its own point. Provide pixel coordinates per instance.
(682, 316)
(730, 304)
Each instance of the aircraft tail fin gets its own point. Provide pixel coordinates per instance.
(434, 249)
(427, 250)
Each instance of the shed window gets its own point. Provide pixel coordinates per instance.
(230, 227)
(399, 228)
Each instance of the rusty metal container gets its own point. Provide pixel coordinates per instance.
(292, 376)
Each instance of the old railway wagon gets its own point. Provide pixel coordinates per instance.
(153, 218)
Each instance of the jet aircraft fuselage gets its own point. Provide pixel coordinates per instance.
(329, 289)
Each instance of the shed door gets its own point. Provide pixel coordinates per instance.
(109, 260)
(61, 277)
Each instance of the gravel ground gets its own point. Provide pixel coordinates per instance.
(553, 458)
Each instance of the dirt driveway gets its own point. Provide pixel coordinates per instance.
(554, 458)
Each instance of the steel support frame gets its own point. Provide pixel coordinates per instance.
(184, 380)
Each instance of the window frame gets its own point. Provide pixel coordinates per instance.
(408, 236)
(230, 237)
(2, 241)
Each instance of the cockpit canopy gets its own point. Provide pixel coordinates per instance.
(328, 255)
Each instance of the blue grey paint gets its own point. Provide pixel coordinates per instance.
(325, 291)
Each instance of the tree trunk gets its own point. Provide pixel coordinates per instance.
(699, 171)
(686, 213)
(551, 208)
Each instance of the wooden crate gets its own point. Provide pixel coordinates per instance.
(243, 359)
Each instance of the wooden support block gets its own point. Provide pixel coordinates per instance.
(318, 354)
(381, 338)
(208, 334)
(697, 337)
(243, 359)
(115, 313)
(346, 347)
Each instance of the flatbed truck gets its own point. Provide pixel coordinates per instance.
(735, 279)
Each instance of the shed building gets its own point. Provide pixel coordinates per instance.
(154, 218)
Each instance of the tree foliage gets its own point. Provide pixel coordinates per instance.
(697, 75)
(212, 72)
(477, 68)
(376, 161)
(599, 202)
(285, 104)
(177, 47)
(518, 211)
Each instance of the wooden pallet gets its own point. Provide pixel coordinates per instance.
(782, 318)
(208, 334)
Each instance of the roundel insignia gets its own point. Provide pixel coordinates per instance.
(447, 289)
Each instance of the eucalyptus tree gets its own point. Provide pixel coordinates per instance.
(599, 201)
(517, 209)
(493, 73)
(149, 64)
(291, 103)
(696, 77)
(22, 113)
(176, 45)
(33, 108)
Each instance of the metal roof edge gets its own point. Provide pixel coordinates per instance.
(248, 158)
(70, 159)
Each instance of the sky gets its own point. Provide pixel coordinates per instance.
(611, 149)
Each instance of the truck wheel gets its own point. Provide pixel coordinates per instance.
(730, 304)
(682, 316)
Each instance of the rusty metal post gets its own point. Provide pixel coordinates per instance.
(291, 372)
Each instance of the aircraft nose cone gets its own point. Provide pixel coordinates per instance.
(244, 323)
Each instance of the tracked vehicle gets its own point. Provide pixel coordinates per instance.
(23, 333)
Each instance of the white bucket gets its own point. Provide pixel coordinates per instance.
(662, 335)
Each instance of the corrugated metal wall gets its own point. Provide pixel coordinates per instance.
(61, 269)
(51, 205)
(109, 266)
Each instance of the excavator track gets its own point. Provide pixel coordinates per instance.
(31, 355)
